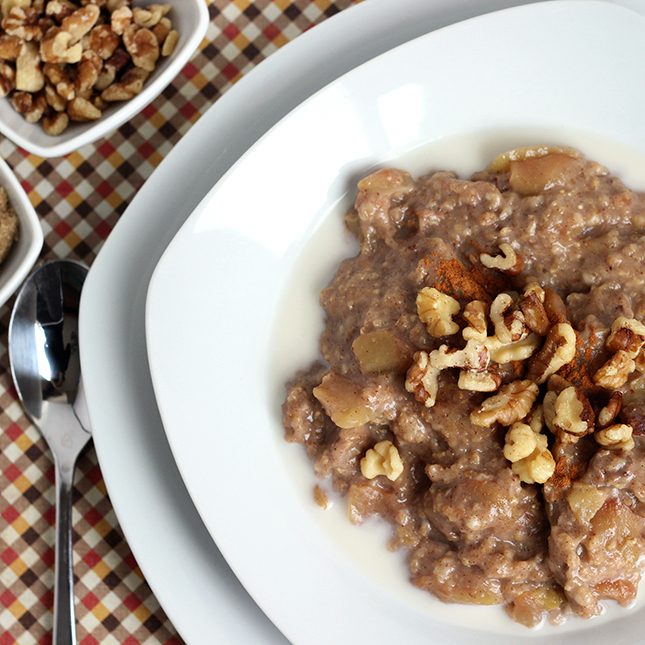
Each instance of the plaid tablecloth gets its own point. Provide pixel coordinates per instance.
(79, 198)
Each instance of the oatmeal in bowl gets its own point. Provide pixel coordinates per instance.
(482, 379)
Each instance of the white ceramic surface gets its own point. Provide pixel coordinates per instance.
(231, 306)
(190, 18)
(195, 586)
(25, 251)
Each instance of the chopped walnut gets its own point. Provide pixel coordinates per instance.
(520, 442)
(436, 310)
(616, 437)
(509, 323)
(474, 356)
(170, 43)
(22, 23)
(121, 19)
(57, 47)
(610, 411)
(555, 308)
(382, 459)
(512, 403)
(130, 85)
(7, 79)
(508, 262)
(80, 22)
(142, 45)
(31, 106)
(533, 287)
(54, 99)
(56, 123)
(537, 468)
(536, 419)
(151, 15)
(66, 90)
(59, 9)
(103, 41)
(531, 304)
(80, 109)
(640, 361)
(10, 47)
(87, 72)
(615, 372)
(548, 410)
(161, 31)
(422, 379)
(572, 412)
(559, 349)
(475, 315)
(628, 335)
(29, 75)
(518, 351)
(7, 5)
(473, 381)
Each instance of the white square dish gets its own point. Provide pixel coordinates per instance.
(256, 252)
(190, 19)
(25, 251)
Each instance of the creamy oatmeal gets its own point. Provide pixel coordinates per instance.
(8, 225)
(482, 381)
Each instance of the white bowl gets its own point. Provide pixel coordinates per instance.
(233, 308)
(24, 252)
(189, 18)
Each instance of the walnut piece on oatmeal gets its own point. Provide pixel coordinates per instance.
(520, 442)
(382, 459)
(572, 412)
(422, 379)
(436, 310)
(558, 350)
(615, 372)
(616, 437)
(538, 467)
(512, 403)
(509, 262)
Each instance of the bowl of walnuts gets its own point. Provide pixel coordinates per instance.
(72, 71)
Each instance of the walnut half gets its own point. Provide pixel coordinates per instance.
(436, 310)
(616, 437)
(382, 459)
(559, 349)
(422, 379)
(512, 403)
(508, 262)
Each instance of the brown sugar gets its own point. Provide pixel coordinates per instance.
(9, 225)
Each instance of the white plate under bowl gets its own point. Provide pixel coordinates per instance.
(231, 306)
(195, 586)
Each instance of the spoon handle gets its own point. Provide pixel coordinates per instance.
(64, 615)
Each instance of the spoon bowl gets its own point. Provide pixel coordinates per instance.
(45, 365)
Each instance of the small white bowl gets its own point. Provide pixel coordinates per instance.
(189, 18)
(25, 250)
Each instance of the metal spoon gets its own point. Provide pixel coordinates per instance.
(43, 350)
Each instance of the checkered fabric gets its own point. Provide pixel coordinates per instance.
(79, 198)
